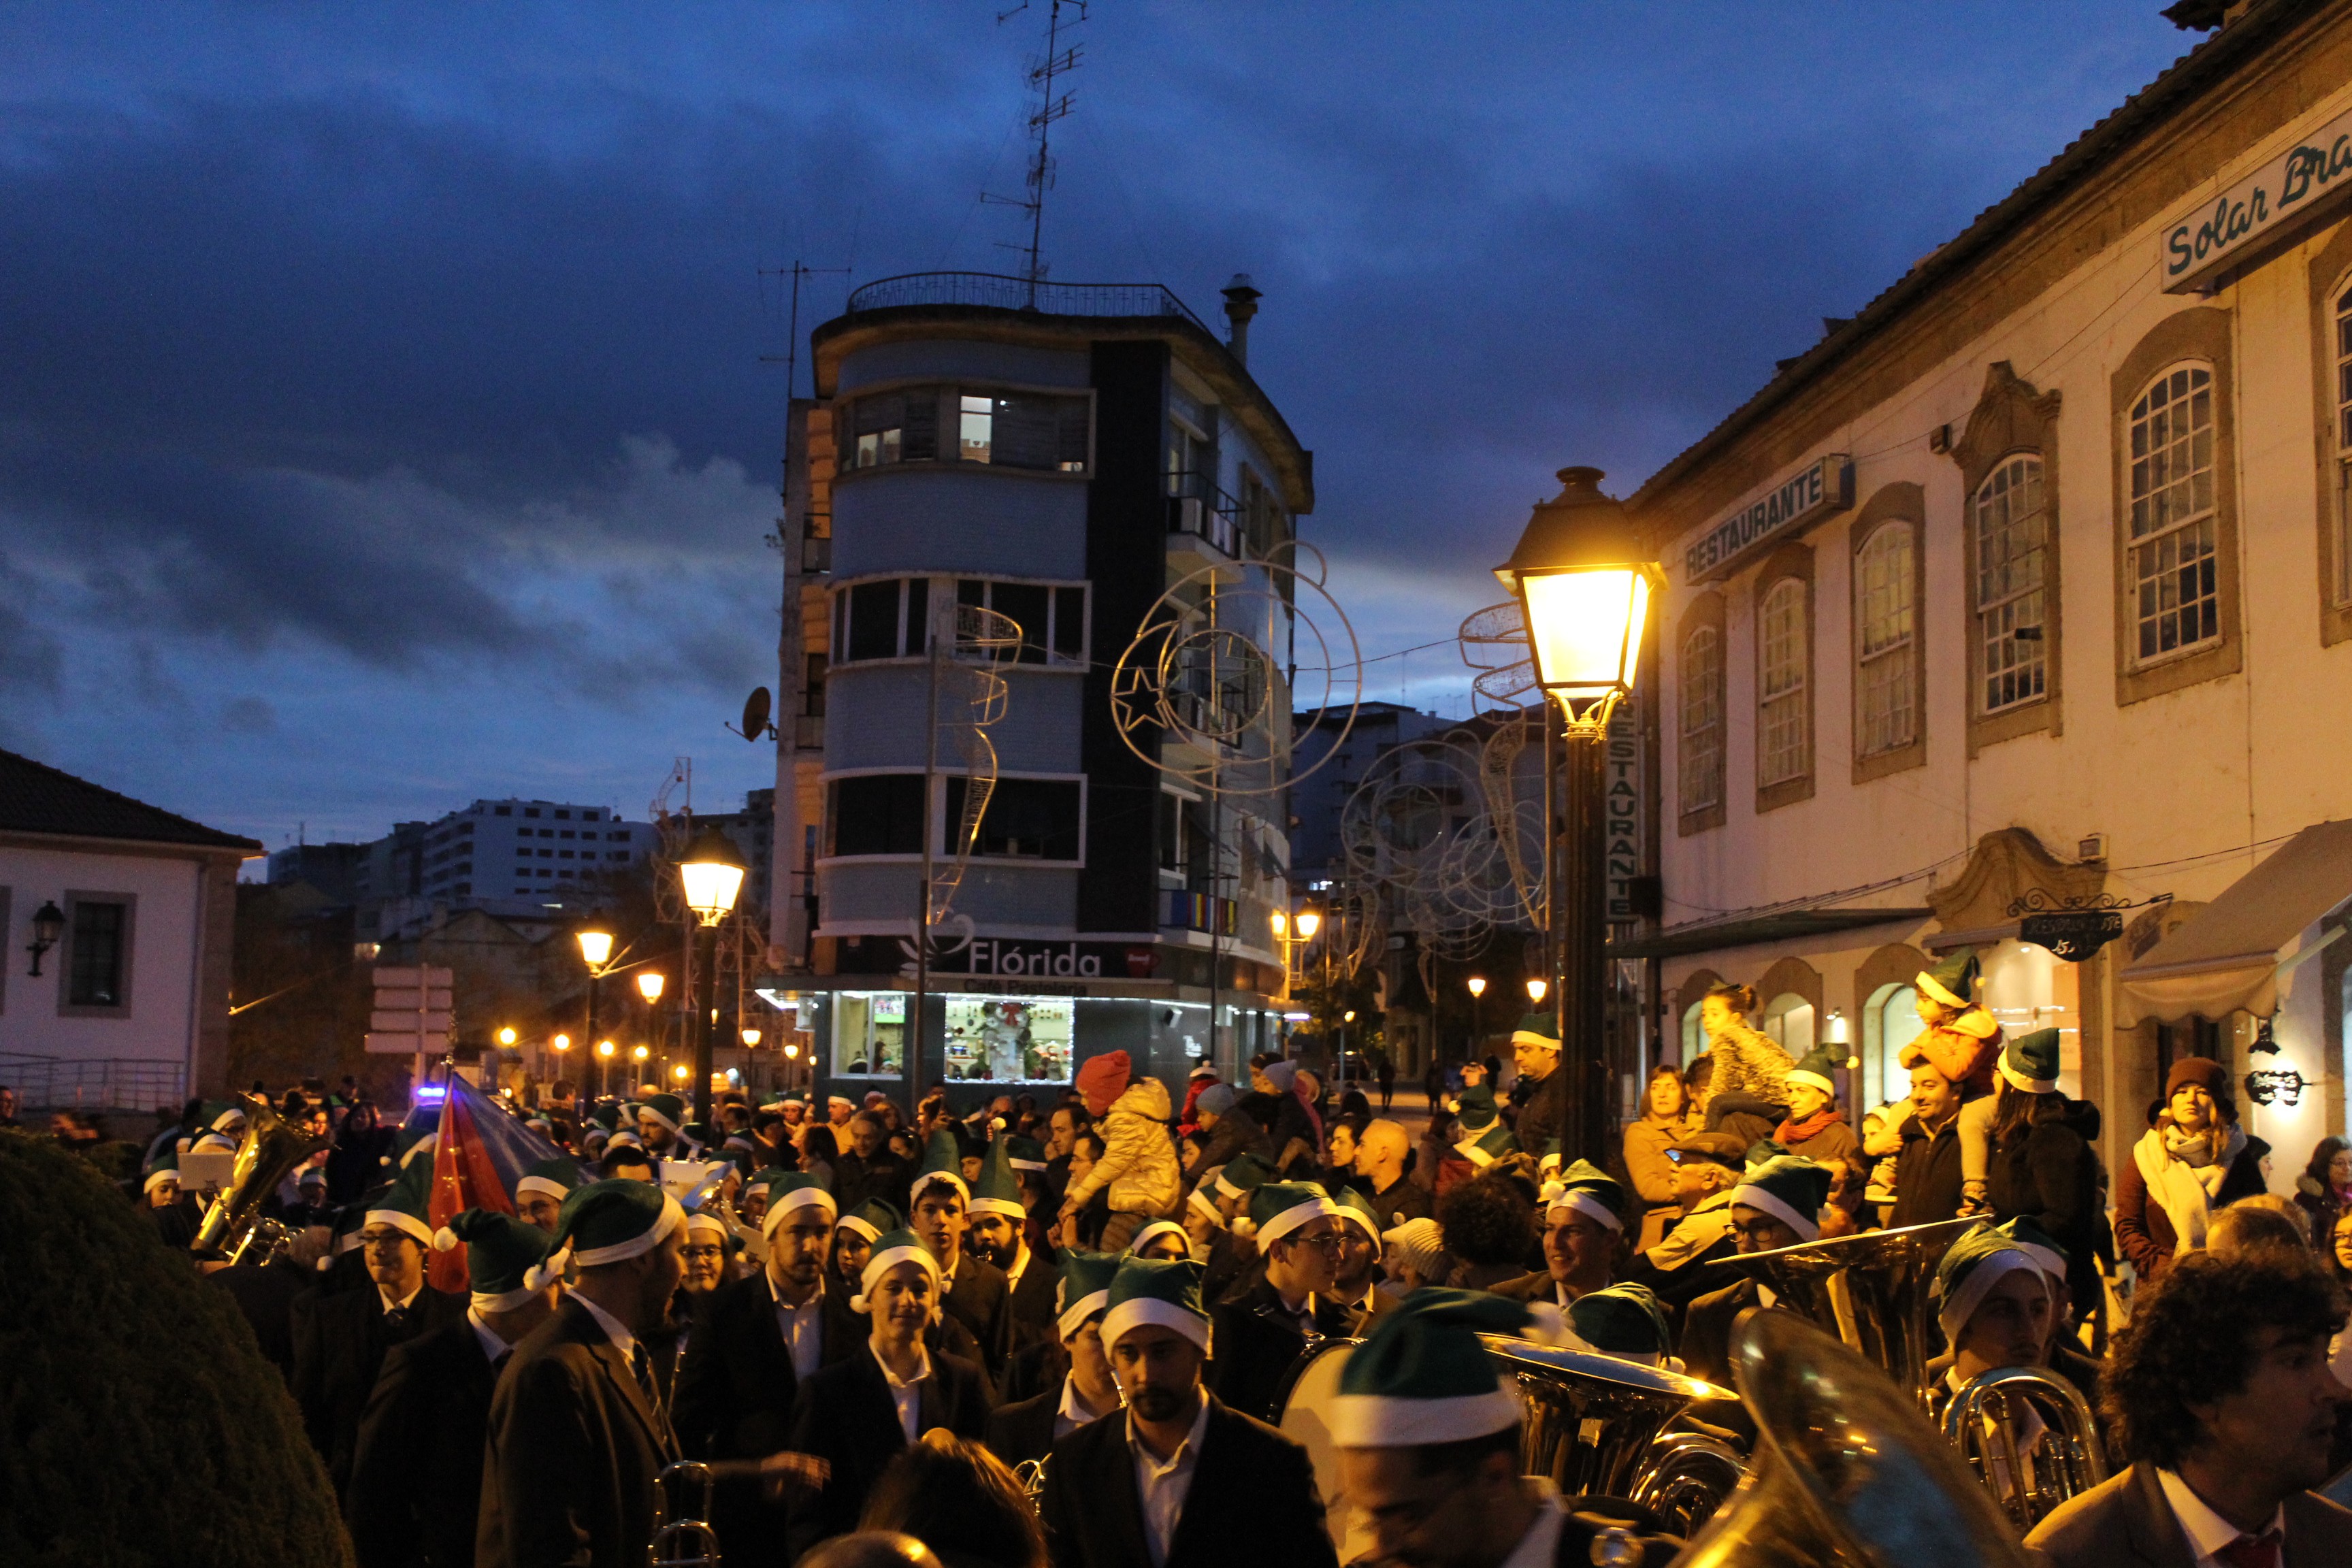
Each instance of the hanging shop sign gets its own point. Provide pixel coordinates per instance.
(2071, 934)
(990, 956)
(2293, 189)
(1821, 488)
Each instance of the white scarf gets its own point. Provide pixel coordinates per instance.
(2185, 1191)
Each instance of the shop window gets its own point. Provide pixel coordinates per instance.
(1694, 1036)
(1010, 1039)
(1788, 1019)
(1889, 1023)
(1702, 721)
(1783, 716)
(889, 618)
(869, 1033)
(1886, 620)
(1052, 617)
(2009, 528)
(2175, 591)
(1025, 819)
(875, 814)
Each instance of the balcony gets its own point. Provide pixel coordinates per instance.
(997, 291)
(1203, 526)
(1195, 911)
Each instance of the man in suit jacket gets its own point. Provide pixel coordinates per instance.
(1028, 1430)
(996, 1233)
(417, 1476)
(1262, 1332)
(577, 1432)
(977, 1294)
(340, 1341)
(1180, 1480)
(1583, 1237)
(1776, 1205)
(856, 1414)
(2219, 1388)
(757, 1342)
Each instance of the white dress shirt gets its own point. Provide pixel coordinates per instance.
(1164, 1487)
(1540, 1545)
(803, 1328)
(1074, 1412)
(615, 1330)
(907, 1395)
(2208, 1532)
(493, 1347)
(1020, 1266)
(391, 1306)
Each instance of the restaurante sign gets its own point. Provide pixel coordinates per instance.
(1822, 487)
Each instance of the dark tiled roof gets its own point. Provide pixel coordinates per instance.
(2209, 63)
(37, 799)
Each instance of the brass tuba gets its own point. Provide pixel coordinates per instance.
(1848, 1472)
(1981, 1425)
(679, 1541)
(1869, 1291)
(1031, 1474)
(268, 1151)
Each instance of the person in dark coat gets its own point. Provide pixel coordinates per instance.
(417, 1474)
(2194, 1161)
(1243, 1493)
(577, 1431)
(866, 1168)
(265, 1294)
(996, 1233)
(1928, 1181)
(2041, 1169)
(340, 1341)
(1776, 1205)
(1026, 1429)
(977, 1294)
(1541, 1093)
(1261, 1331)
(356, 1162)
(854, 1417)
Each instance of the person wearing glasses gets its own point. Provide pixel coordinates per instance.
(1776, 1205)
(1262, 1329)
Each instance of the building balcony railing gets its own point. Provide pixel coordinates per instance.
(1198, 510)
(107, 1083)
(1195, 911)
(996, 291)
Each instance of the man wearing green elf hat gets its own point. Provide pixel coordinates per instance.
(1261, 1331)
(1029, 1429)
(997, 1235)
(1485, 1136)
(974, 1291)
(1541, 1093)
(1776, 1205)
(1584, 1242)
(1962, 1042)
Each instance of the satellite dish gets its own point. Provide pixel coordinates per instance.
(755, 716)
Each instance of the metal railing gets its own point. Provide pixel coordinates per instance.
(996, 290)
(1195, 911)
(1197, 507)
(106, 1083)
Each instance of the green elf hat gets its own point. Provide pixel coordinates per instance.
(1157, 1228)
(707, 1221)
(555, 1177)
(1475, 1109)
(789, 1192)
(500, 1252)
(2030, 1062)
(1241, 1176)
(761, 1181)
(1154, 1292)
(1970, 1267)
(345, 1237)
(666, 1108)
(1953, 981)
(607, 1115)
(608, 1222)
(1084, 1288)
(1549, 1163)
(224, 1116)
(1818, 1067)
(1762, 1152)
(1026, 1154)
(402, 1203)
(408, 1144)
(1588, 1189)
(891, 1250)
(1621, 1320)
(2037, 1243)
(872, 1219)
(1423, 1377)
(942, 1161)
(1207, 1206)
(1351, 1205)
(1538, 1029)
(166, 1169)
(1277, 1208)
(1792, 1189)
(1486, 1148)
(998, 1191)
(210, 1142)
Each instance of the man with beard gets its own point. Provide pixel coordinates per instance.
(854, 1416)
(1121, 1492)
(975, 1293)
(2219, 1388)
(1358, 1267)
(577, 1430)
(1583, 1237)
(996, 1235)
(1541, 1094)
(1024, 1431)
(1261, 1331)
(661, 1125)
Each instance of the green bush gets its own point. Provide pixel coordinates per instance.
(140, 1425)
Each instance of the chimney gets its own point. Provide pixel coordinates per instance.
(1241, 304)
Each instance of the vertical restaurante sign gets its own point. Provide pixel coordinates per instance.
(1821, 488)
(2304, 179)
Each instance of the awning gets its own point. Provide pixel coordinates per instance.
(1746, 930)
(2229, 955)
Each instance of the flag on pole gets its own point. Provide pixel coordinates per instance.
(478, 1156)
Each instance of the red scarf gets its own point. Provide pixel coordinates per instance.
(1791, 1134)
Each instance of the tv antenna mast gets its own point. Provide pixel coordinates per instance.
(1056, 62)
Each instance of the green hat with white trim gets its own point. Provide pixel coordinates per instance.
(942, 1161)
(408, 1142)
(1622, 1320)
(1587, 1188)
(404, 1203)
(345, 1236)
(1352, 1204)
(2037, 1243)
(1818, 1066)
(608, 1222)
(500, 1252)
(789, 1192)
(2030, 1062)
(1970, 1269)
(1490, 1146)
(1550, 1160)
(1423, 1376)
(1241, 1176)
(890, 1250)
(1025, 1153)
(872, 1219)
(666, 1108)
(1792, 1189)
(1157, 1228)
(1156, 1292)
(1084, 1288)
(555, 1177)
(1953, 981)
(998, 1191)
(606, 1114)
(1762, 1152)
(1277, 1208)
(166, 1169)
(1475, 1110)
(1538, 1029)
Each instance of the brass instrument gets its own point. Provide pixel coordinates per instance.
(1031, 1474)
(1869, 1291)
(266, 1153)
(1981, 1425)
(683, 1542)
(1597, 1424)
(1847, 1472)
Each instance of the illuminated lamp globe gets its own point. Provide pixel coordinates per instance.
(506, 1037)
(641, 1052)
(649, 985)
(603, 1047)
(1583, 582)
(1308, 923)
(1280, 919)
(595, 946)
(1477, 984)
(711, 872)
(561, 1042)
(1536, 990)
(751, 1037)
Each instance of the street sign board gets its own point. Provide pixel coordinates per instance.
(410, 1020)
(415, 1010)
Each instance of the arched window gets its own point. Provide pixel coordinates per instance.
(1895, 1021)
(2177, 600)
(1788, 1020)
(2343, 585)
(1695, 1040)
(1884, 614)
(1702, 721)
(1783, 716)
(2009, 528)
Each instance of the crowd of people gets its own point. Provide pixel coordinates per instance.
(1027, 1332)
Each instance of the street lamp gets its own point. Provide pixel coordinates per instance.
(506, 1037)
(751, 1037)
(649, 986)
(1536, 988)
(712, 873)
(1583, 579)
(603, 1060)
(596, 951)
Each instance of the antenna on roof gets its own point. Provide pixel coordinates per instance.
(1057, 61)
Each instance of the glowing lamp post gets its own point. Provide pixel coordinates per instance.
(1583, 580)
(603, 1060)
(712, 873)
(1538, 987)
(596, 951)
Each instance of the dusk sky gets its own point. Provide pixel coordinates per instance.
(386, 417)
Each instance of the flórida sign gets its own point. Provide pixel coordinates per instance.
(1821, 488)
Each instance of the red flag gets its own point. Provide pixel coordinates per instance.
(464, 1177)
